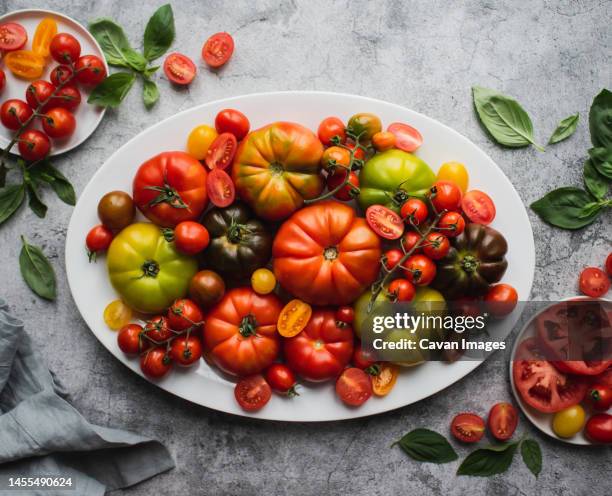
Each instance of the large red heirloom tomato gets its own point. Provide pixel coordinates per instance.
(326, 255)
(170, 188)
(240, 332)
(322, 349)
(277, 167)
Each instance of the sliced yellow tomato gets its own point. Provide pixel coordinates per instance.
(117, 314)
(25, 64)
(455, 172)
(199, 140)
(293, 318)
(45, 31)
(383, 382)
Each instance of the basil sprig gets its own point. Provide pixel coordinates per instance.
(565, 129)
(425, 445)
(158, 36)
(36, 271)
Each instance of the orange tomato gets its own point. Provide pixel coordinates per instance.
(25, 64)
(293, 318)
(335, 155)
(383, 382)
(45, 31)
(383, 141)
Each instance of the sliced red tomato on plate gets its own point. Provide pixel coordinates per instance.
(13, 36)
(478, 207)
(407, 138)
(354, 387)
(220, 188)
(218, 49)
(252, 393)
(220, 154)
(179, 68)
(385, 222)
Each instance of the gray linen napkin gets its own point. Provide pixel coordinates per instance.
(41, 434)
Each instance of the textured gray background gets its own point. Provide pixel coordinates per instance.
(550, 55)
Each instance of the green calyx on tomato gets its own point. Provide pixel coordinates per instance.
(248, 326)
(391, 177)
(146, 270)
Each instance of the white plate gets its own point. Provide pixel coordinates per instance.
(92, 291)
(87, 116)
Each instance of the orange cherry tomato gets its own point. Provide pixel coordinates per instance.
(25, 64)
(45, 31)
(335, 156)
(293, 318)
(384, 140)
(383, 382)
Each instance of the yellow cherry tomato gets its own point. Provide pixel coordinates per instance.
(199, 140)
(263, 281)
(25, 64)
(455, 172)
(293, 318)
(45, 31)
(569, 422)
(117, 314)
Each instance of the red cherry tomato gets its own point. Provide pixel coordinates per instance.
(281, 379)
(468, 427)
(190, 237)
(2, 80)
(60, 74)
(420, 270)
(186, 350)
(179, 69)
(392, 257)
(158, 329)
(155, 363)
(252, 393)
(402, 290)
(411, 238)
(234, 122)
(65, 48)
(220, 188)
(359, 154)
(362, 359)
(184, 313)
(34, 145)
(90, 70)
(502, 421)
(501, 300)
(349, 191)
(609, 264)
(447, 196)
(13, 36)
(594, 282)
(407, 138)
(39, 92)
(599, 428)
(452, 224)
(98, 240)
(130, 340)
(218, 49)
(345, 314)
(220, 154)
(416, 209)
(59, 122)
(354, 387)
(599, 397)
(384, 222)
(329, 128)
(436, 246)
(13, 113)
(68, 97)
(478, 207)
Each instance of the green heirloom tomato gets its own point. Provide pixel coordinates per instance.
(389, 178)
(146, 270)
(364, 125)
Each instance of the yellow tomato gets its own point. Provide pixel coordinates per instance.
(117, 314)
(45, 31)
(455, 172)
(25, 64)
(199, 140)
(383, 382)
(569, 422)
(263, 281)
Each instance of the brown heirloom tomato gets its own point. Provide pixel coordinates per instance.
(170, 188)
(240, 332)
(277, 167)
(326, 255)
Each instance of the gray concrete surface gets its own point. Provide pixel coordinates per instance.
(425, 55)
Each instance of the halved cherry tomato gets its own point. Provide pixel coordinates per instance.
(34, 145)
(401, 290)
(436, 246)
(220, 188)
(130, 340)
(383, 382)
(38, 92)
(411, 238)
(468, 427)
(293, 318)
(420, 270)
(25, 64)
(117, 314)
(334, 157)
(384, 222)
(90, 70)
(186, 350)
(155, 363)
(218, 49)
(58, 122)
(599, 428)
(329, 128)
(362, 359)
(345, 314)
(451, 224)
(503, 419)
(60, 74)
(447, 196)
(354, 387)
(184, 313)
(478, 207)
(14, 113)
(392, 257)
(65, 48)
(45, 31)
(234, 122)
(191, 237)
(594, 282)
(349, 191)
(282, 379)
(414, 209)
(13, 36)
(407, 138)
(501, 299)
(220, 154)
(68, 97)
(252, 393)
(179, 68)
(383, 141)
(599, 397)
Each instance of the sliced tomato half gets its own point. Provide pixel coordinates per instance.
(220, 188)
(385, 222)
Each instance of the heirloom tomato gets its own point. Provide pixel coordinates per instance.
(277, 167)
(240, 332)
(116, 210)
(326, 255)
(147, 271)
(170, 188)
(322, 349)
(206, 288)
(364, 125)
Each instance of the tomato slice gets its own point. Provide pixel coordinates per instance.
(293, 318)
(385, 222)
(478, 207)
(45, 31)
(25, 64)
(218, 49)
(468, 427)
(220, 154)
(540, 384)
(503, 419)
(252, 393)
(13, 36)
(179, 68)
(220, 188)
(383, 382)
(407, 138)
(354, 387)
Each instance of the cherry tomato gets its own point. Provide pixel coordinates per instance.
(68, 97)
(199, 141)
(155, 363)
(25, 64)
(503, 419)
(349, 191)
(206, 288)
(478, 207)
(234, 122)
(384, 222)
(186, 350)
(407, 138)
(420, 270)
(604, 378)
(263, 281)
(385, 379)
(179, 69)
(60, 74)
(392, 257)
(609, 264)
(190, 237)
(329, 128)
(414, 209)
(116, 210)
(501, 300)
(2, 80)
(600, 397)
(98, 240)
(65, 48)
(334, 157)
(294, 317)
(402, 290)
(59, 123)
(13, 113)
(117, 314)
(383, 141)
(447, 196)
(454, 172)
(252, 393)
(281, 379)
(45, 31)
(220, 154)
(38, 92)
(184, 313)
(569, 421)
(468, 427)
(130, 340)
(13, 36)
(411, 238)
(218, 49)
(451, 224)
(436, 246)
(594, 282)
(345, 314)
(90, 70)
(157, 329)
(34, 145)
(599, 428)
(220, 188)
(354, 387)
(362, 359)
(358, 154)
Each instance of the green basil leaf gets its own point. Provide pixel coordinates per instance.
(532, 456)
(602, 160)
(425, 445)
(36, 271)
(115, 45)
(112, 91)
(565, 129)
(600, 119)
(488, 461)
(149, 71)
(159, 33)
(504, 118)
(564, 207)
(45, 172)
(150, 93)
(11, 197)
(36, 203)
(594, 181)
